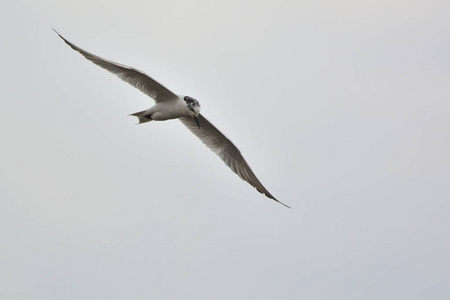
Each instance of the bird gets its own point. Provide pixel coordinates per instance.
(169, 105)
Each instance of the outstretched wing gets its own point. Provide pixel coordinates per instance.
(226, 150)
(136, 78)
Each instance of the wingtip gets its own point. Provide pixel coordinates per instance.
(276, 200)
(61, 37)
(66, 41)
(283, 203)
(56, 32)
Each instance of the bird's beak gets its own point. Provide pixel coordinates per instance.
(196, 121)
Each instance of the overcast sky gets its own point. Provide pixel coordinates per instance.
(340, 107)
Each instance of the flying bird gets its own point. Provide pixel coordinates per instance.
(187, 109)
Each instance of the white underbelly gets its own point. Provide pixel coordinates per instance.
(167, 110)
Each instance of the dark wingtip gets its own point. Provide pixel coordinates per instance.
(66, 41)
(282, 203)
(276, 200)
(57, 33)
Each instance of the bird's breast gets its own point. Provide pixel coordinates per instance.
(170, 109)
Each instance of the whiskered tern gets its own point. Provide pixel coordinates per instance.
(187, 109)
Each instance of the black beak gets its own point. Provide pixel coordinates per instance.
(196, 121)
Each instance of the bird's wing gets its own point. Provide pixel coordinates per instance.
(226, 150)
(136, 78)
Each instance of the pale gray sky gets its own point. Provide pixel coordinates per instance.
(340, 107)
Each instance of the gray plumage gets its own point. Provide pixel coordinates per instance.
(172, 106)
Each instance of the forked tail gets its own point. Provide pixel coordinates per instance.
(142, 117)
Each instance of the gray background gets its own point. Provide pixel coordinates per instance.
(340, 107)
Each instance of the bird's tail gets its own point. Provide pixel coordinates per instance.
(142, 116)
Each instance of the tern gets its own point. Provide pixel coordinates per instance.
(187, 109)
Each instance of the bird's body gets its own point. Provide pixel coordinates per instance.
(172, 106)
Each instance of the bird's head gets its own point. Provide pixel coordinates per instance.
(193, 106)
